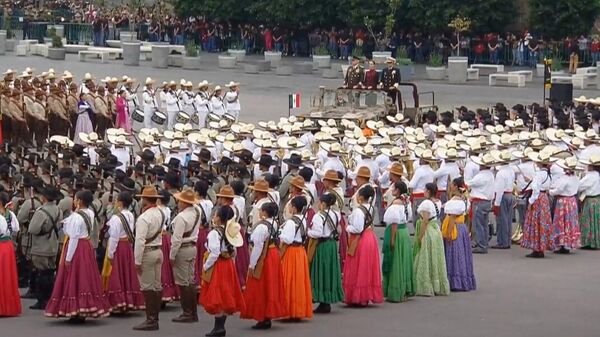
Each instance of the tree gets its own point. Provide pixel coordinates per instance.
(235, 10)
(557, 18)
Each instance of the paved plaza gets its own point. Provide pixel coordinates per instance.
(515, 296)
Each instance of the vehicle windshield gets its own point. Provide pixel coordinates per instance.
(354, 99)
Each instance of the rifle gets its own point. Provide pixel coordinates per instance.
(143, 175)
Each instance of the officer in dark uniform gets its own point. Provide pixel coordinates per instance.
(390, 77)
(354, 75)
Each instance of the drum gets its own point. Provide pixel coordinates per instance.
(138, 115)
(195, 119)
(182, 117)
(159, 118)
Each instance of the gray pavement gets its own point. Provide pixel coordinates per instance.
(557, 296)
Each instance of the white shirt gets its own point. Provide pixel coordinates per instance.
(117, 232)
(320, 227)
(396, 214)
(232, 100)
(441, 175)
(217, 105)
(122, 154)
(172, 102)
(202, 102)
(423, 175)
(471, 170)
(206, 206)
(255, 211)
(504, 182)
(214, 247)
(455, 207)
(356, 220)
(187, 102)
(240, 206)
(332, 163)
(289, 235)
(590, 184)
(260, 235)
(14, 223)
(149, 100)
(429, 207)
(74, 226)
(482, 185)
(373, 168)
(541, 182)
(524, 173)
(566, 185)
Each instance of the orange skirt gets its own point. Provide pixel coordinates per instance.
(265, 297)
(222, 294)
(296, 283)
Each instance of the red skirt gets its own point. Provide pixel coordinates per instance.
(242, 260)
(78, 288)
(362, 274)
(200, 249)
(170, 292)
(123, 285)
(265, 297)
(343, 246)
(223, 293)
(296, 283)
(10, 300)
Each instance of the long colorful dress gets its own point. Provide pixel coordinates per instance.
(457, 246)
(429, 260)
(296, 277)
(325, 271)
(362, 274)
(264, 294)
(84, 123)
(537, 229)
(566, 216)
(397, 267)
(589, 219)
(78, 288)
(10, 300)
(123, 120)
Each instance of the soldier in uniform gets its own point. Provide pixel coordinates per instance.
(103, 116)
(293, 162)
(183, 253)
(43, 227)
(58, 117)
(148, 255)
(390, 78)
(354, 75)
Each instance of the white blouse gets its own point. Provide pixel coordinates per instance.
(428, 206)
(166, 211)
(116, 231)
(289, 235)
(259, 236)
(541, 183)
(320, 228)
(590, 184)
(14, 223)
(214, 246)
(566, 185)
(455, 207)
(74, 226)
(396, 214)
(356, 220)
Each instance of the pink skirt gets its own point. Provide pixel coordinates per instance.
(123, 121)
(343, 246)
(10, 300)
(362, 274)
(78, 288)
(124, 292)
(200, 249)
(170, 292)
(566, 223)
(242, 260)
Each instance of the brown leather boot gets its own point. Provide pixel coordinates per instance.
(152, 308)
(193, 301)
(188, 304)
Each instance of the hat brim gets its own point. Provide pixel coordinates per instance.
(178, 197)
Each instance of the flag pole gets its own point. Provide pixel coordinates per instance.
(289, 106)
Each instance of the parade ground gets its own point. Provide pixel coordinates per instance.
(515, 296)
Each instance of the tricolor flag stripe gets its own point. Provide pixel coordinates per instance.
(294, 101)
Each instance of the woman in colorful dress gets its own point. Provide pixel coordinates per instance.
(398, 276)
(430, 264)
(264, 295)
(220, 292)
(457, 242)
(170, 292)
(10, 300)
(566, 216)
(294, 262)
(123, 111)
(206, 206)
(325, 271)
(120, 281)
(77, 292)
(537, 229)
(84, 123)
(362, 276)
(589, 220)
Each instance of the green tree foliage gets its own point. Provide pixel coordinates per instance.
(555, 18)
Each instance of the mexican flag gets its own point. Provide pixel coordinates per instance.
(294, 101)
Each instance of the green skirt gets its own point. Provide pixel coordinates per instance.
(325, 274)
(589, 221)
(398, 276)
(430, 262)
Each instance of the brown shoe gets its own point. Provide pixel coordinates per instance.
(152, 308)
(188, 303)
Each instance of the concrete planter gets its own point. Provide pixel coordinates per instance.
(457, 69)
(539, 70)
(10, 44)
(160, 56)
(57, 53)
(407, 72)
(128, 36)
(2, 42)
(273, 57)
(240, 54)
(47, 40)
(191, 63)
(131, 53)
(227, 62)
(322, 61)
(435, 73)
(380, 56)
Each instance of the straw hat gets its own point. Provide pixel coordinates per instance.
(394, 152)
(485, 160)
(397, 169)
(333, 148)
(89, 138)
(364, 172)
(149, 192)
(569, 163)
(541, 157)
(425, 154)
(226, 192)
(506, 139)
(260, 186)
(217, 88)
(555, 135)
(593, 160)
(332, 176)
(233, 147)
(289, 143)
(232, 84)
(187, 196)
(589, 135)
(581, 99)
(522, 154)
(502, 157)
(373, 125)
(233, 233)
(463, 126)
(183, 127)
(494, 129)
(516, 124)
(119, 140)
(397, 119)
(365, 151)
(203, 84)
(298, 181)
(449, 154)
(149, 81)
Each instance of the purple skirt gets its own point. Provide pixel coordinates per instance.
(123, 285)
(200, 249)
(242, 260)
(459, 261)
(78, 288)
(170, 292)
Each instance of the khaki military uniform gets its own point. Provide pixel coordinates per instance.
(284, 187)
(147, 253)
(23, 216)
(43, 228)
(183, 245)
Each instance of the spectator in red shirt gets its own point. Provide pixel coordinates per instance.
(595, 49)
